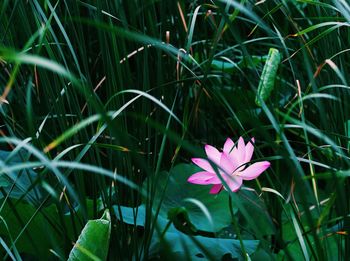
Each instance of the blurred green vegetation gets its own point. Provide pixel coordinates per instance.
(104, 103)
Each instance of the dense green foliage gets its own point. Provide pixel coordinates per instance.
(103, 104)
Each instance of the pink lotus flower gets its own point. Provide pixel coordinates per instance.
(231, 166)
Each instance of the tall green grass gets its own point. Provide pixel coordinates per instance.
(104, 103)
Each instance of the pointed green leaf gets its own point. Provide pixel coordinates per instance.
(267, 80)
(93, 242)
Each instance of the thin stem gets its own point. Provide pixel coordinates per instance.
(235, 224)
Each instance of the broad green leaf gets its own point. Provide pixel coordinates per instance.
(26, 225)
(208, 212)
(22, 180)
(192, 205)
(137, 216)
(93, 242)
(331, 241)
(268, 76)
(218, 247)
(36, 225)
(131, 216)
(181, 220)
(255, 205)
(343, 173)
(262, 254)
